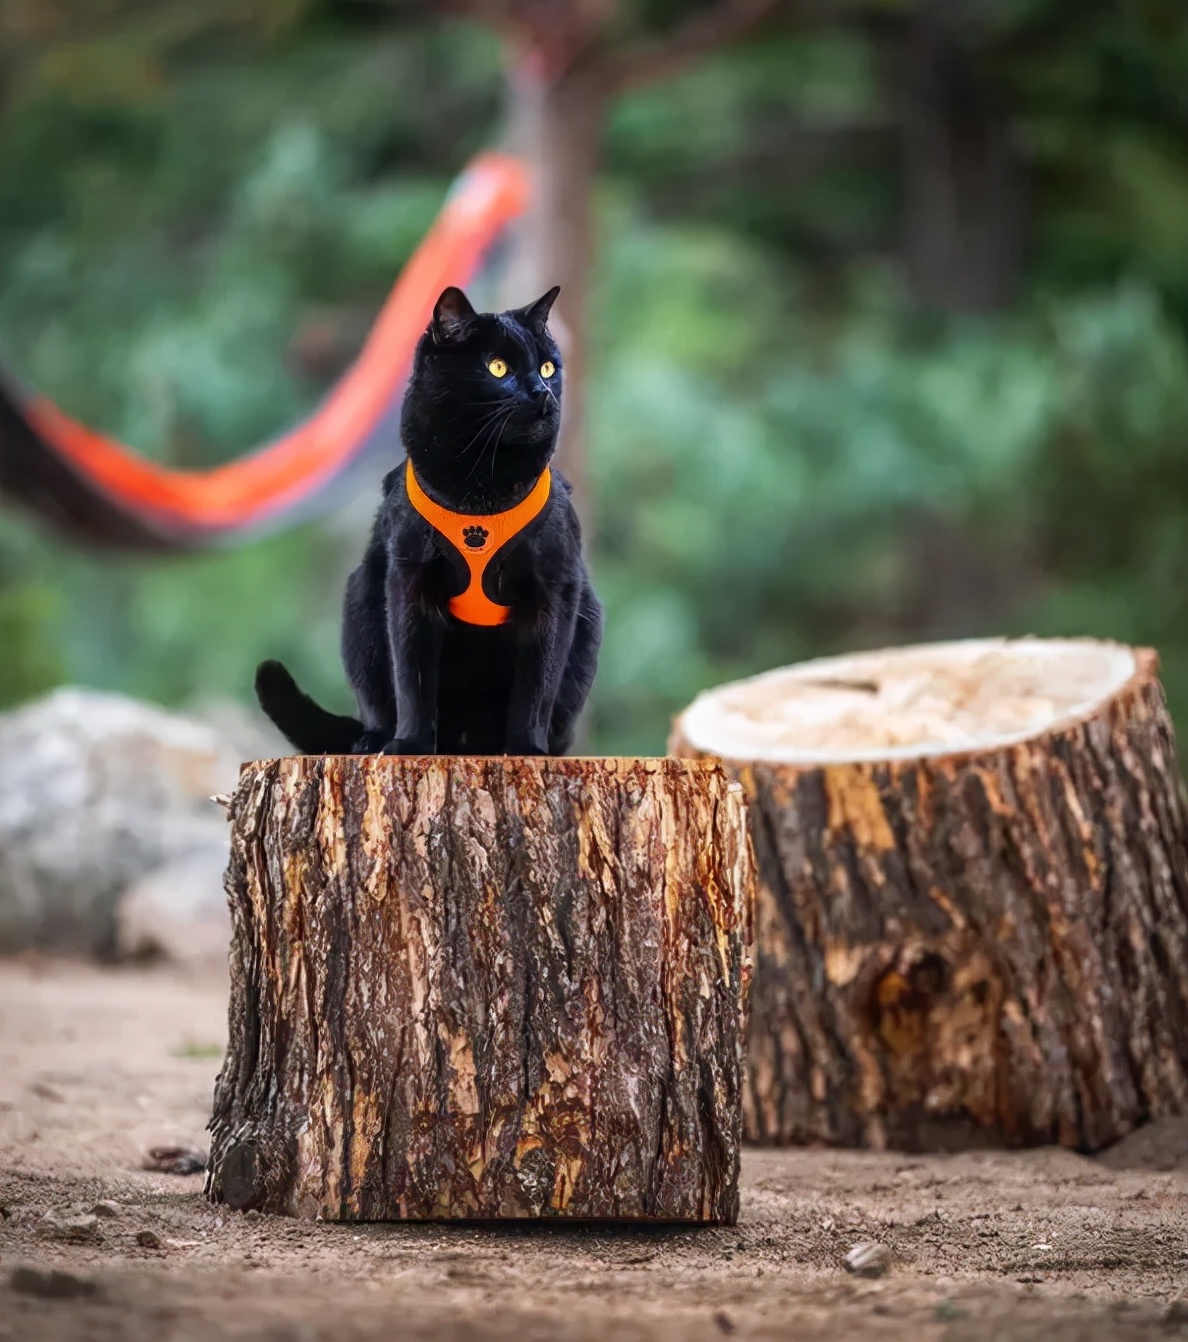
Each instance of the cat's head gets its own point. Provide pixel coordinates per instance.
(486, 386)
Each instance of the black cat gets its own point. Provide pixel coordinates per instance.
(471, 626)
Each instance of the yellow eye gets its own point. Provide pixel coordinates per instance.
(548, 368)
(497, 368)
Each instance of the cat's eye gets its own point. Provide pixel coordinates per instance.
(497, 368)
(548, 368)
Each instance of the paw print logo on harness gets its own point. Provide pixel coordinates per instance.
(475, 537)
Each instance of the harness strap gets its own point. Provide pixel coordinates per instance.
(478, 538)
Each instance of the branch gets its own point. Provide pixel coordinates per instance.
(661, 58)
(556, 33)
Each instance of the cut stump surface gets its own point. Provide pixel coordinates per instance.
(485, 987)
(972, 917)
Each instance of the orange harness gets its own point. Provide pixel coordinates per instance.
(478, 539)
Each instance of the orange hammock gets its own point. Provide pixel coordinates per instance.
(99, 490)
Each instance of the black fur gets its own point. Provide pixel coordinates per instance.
(424, 682)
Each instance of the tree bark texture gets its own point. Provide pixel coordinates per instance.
(485, 987)
(972, 948)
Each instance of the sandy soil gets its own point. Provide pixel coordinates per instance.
(96, 1066)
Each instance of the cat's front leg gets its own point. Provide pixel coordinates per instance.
(580, 666)
(541, 655)
(416, 635)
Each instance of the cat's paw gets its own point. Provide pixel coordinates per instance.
(526, 745)
(408, 745)
(475, 537)
(370, 743)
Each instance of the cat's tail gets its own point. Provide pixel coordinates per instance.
(306, 724)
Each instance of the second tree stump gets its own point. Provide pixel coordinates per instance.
(484, 987)
(972, 918)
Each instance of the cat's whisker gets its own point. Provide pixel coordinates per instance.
(484, 424)
(494, 427)
(495, 449)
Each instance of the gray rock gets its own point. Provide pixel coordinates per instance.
(106, 1210)
(248, 733)
(178, 911)
(149, 1239)
(868, 1259)
(175, 1160)
(97, 791)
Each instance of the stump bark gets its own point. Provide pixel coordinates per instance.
(485, 987)
(972, 909)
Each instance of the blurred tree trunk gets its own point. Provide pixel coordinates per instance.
(964, 210)
(557, 123)
(568, 61)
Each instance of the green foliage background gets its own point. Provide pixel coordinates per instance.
(789, 458)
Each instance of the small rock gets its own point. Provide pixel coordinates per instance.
(71, 1230)
(868, 1260)
(175, 1160)
(52, 1284)
(106, 1210)
(724, 1321)
(1176, 1313)
(149, 1239)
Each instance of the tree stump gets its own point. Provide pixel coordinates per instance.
(485, 987)
(972, 910)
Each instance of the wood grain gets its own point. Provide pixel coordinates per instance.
(484, 987)
(988, 946)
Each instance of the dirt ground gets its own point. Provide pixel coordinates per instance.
(97, 1066)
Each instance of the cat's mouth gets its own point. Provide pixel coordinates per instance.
(536, 420)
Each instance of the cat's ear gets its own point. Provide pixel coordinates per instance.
(452, 316)
(536, 315)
